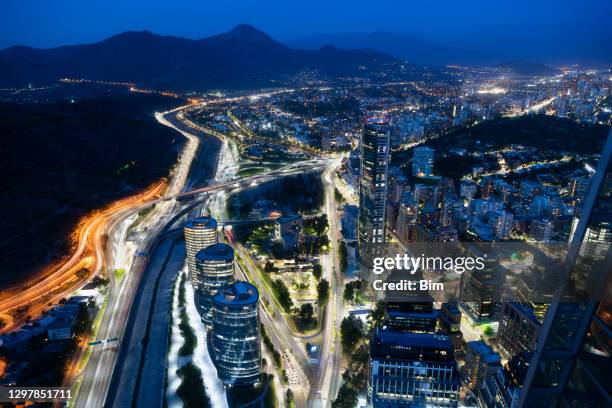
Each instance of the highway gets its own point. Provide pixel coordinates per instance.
(101, 243)
(64, 279)
(96, 378)
(99, 369)
(326, 380)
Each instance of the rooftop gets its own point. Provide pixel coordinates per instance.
(408, 339)
(216, 252)
(484, 350)
(238, 293)
(202, 222)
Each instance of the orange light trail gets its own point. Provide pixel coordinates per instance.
(61, 280)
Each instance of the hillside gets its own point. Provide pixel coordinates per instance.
(62, 160)
(529, 68)
(407, 47)
(540, 131)
(242, 57)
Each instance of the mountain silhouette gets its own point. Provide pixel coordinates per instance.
(242, 57)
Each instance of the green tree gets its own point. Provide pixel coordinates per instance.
(269, 267)
(317, 270)
(192, 390)
(283, 295)
(347, 397)
(289, 398)
(343, 255)
(378, 313)
(351, 331)
(349, 292)
(338, 196)
(306, 311)
(323, 291)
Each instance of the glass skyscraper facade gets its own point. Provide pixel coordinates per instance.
(236, 335)
(412, 370)
(571, 366)
(374, 149)
(214, 269)
(199, 233)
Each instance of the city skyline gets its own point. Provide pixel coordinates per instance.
(344, 220)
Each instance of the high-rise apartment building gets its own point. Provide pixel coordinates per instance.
(422, 161)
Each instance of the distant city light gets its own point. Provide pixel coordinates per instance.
(493, 91)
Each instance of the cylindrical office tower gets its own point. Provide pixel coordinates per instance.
(214, 269)
(199, 233)
(236, 335)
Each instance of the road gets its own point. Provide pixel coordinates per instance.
(326, 380)
(98, 372)
(88, 257)
(67, 277)
(116, 323)
(102, 229)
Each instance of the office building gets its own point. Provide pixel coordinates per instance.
(450, 324)
(374, 149)
(571, 362)
(480, 362)
(236, 334)
(503, 387)
(412, 370)
(215, 269)
(199, 233)
(416, 315)
(481, 289)
(518, 329)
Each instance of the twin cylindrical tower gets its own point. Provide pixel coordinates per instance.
(229, 309)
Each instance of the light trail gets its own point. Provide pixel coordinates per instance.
(64, 279)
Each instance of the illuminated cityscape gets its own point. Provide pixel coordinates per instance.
(372, 218)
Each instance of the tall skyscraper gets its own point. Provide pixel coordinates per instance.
(422, 161)
(236, 335)
(571, 364)
(214, 269)
(374, 148)
(199, 233)
(412, 370)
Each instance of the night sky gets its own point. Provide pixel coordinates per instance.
(519, 26)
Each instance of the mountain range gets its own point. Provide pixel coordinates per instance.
(407, 47)
(473, 50)
(529, 68)
(242, 57)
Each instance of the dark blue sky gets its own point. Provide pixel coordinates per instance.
(475, 24)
